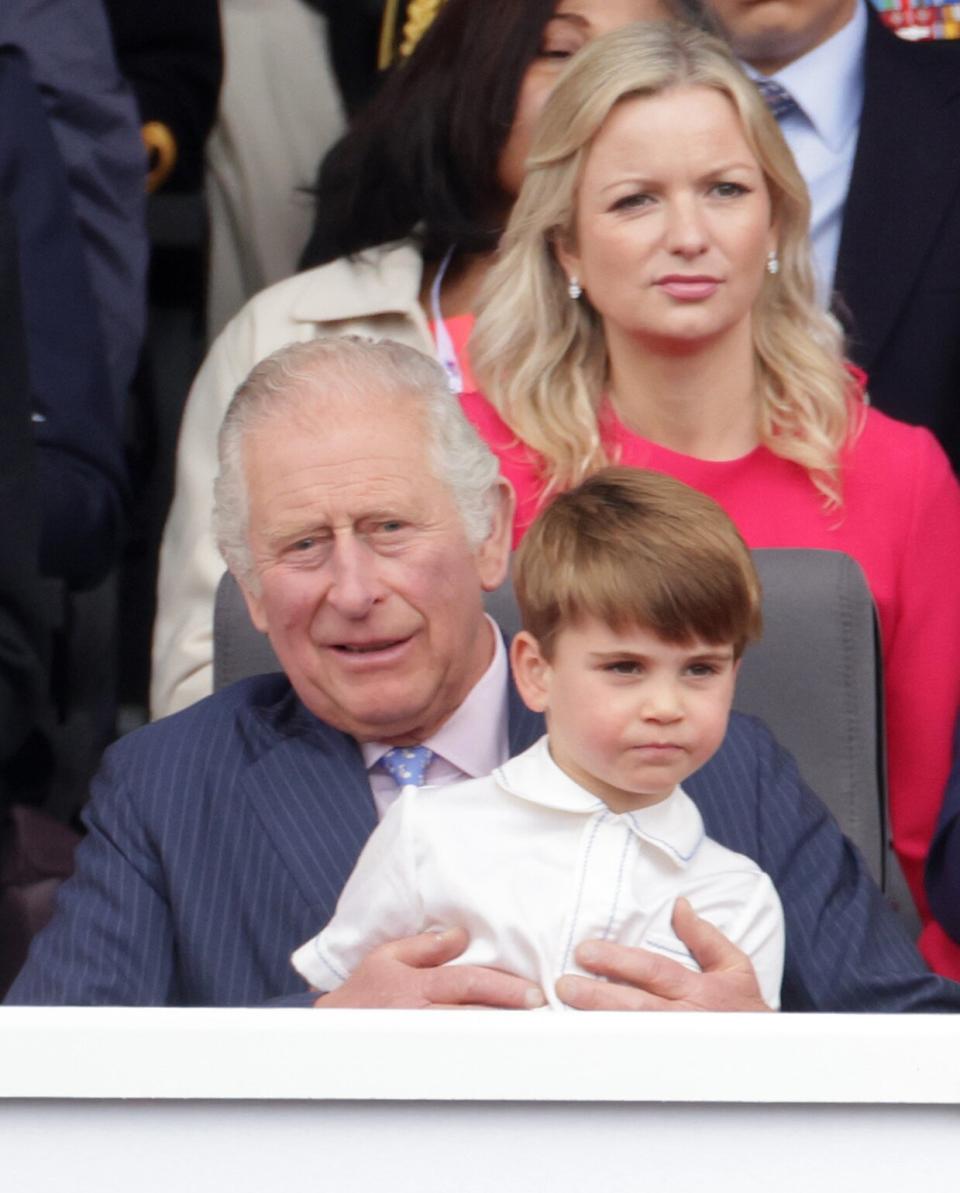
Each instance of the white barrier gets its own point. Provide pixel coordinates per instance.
(241, 1100)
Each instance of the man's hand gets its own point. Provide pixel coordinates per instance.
(639, 980)
(411, 974)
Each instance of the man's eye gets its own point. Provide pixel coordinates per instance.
(304, 544)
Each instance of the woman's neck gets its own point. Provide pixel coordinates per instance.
(460, 286)
(702, 402)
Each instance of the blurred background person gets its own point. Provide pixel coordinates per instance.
(279, 112)
(878, 149)
(92, 113)
(36, 851)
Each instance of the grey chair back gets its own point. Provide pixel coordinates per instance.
(814, 678)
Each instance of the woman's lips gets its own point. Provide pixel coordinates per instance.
(689, 288)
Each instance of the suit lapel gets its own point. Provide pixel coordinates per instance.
(311, 798)
(899, 190)
(308, 790)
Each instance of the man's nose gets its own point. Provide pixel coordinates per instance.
(354, 584)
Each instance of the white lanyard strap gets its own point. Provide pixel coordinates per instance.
(445, 350)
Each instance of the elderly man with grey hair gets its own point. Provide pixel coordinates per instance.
(364, 521)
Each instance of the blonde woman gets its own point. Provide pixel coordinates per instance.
(653, 305)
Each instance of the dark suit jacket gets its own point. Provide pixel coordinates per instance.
(220, 838)
(943, 861)
(76, 425)
(24, 634)
(898, 267)
(171, 55)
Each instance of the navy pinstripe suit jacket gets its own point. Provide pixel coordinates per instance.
(943, 863)
(219, 840)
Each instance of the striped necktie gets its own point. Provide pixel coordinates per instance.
(778, 99)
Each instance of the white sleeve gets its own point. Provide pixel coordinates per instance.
(380, 902)
(758, 930)
(190, 563)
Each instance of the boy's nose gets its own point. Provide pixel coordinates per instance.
(663, 703)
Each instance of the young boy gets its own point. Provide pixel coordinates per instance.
(637, 597)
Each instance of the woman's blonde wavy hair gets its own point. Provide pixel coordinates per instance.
(540, 358)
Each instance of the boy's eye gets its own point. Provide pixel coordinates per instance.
(623, 667)
(700, 670)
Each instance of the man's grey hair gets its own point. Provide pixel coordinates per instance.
(341, 372)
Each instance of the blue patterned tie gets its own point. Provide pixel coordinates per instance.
(407, 765)
(778, 99)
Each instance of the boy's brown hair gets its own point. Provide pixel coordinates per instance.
(634, 548)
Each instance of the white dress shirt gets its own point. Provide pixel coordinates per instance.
(531, 864)
(827, 84)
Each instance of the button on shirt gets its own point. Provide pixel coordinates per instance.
(827, 85)
(471, 743)
(531, 864)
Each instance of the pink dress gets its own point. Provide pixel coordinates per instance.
(900, 520)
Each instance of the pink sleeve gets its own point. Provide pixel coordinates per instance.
(922, 659)
(518, 463)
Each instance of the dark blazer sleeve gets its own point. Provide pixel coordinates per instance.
(846, 950)
(23, 632)
(93, 116)
(943, 861)
(218, 840)
(75, 422)
(898, 265)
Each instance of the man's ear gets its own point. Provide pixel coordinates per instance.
(254, 604)
(493, 554)
(531, 671)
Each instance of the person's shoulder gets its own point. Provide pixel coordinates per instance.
(249, 714)
(934, 62)
(890, 450)
(485, 419)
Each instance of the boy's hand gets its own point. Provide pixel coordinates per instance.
(411, 974)
(638, 980)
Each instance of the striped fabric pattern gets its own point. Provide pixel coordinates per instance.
(220, 839)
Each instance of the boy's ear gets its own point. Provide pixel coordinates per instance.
(531, 671)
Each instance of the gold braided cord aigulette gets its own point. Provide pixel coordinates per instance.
(419, 18)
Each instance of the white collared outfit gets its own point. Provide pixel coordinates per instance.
(827, 84)
(531, 864)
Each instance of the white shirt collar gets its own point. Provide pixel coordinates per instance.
(833, 109)
(673, 826)
(475, 738)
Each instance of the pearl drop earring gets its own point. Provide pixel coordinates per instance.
(773, 262)
(574, 289)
